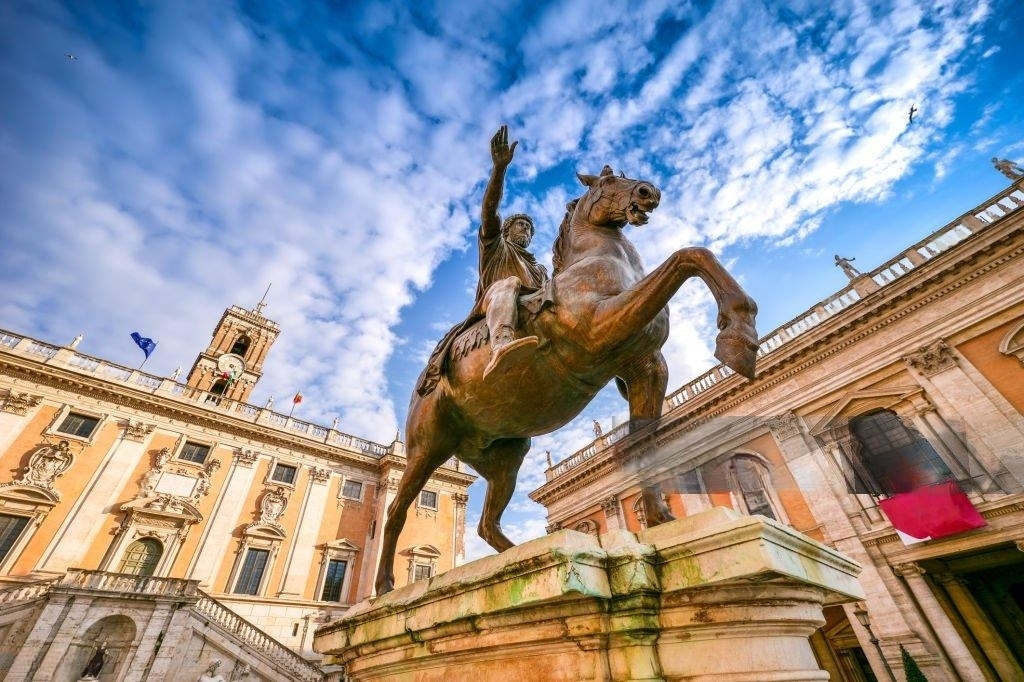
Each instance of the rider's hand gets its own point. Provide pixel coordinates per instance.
(501, 151)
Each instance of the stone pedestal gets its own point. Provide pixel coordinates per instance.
(715, 596)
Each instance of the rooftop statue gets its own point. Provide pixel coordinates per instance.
(1008, 168)
(597, 318)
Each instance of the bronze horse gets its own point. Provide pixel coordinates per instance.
(607, 320)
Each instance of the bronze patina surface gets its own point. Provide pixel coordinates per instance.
(600, 318)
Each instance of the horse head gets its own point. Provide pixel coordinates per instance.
(614, 200)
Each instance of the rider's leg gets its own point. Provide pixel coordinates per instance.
(500, 305)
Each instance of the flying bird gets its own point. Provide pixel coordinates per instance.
(913, 110)
(70, 56)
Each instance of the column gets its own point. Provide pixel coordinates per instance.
(613, 513)
(459, 531)
(88, 516)
(955, 648)
(213, 545)
(307, 530)
(981, 627)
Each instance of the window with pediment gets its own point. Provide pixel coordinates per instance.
(337, 566)
(751, 484)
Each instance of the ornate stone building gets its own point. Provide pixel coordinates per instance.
(175, 524)
(886, 421)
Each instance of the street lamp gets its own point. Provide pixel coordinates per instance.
(865, 620)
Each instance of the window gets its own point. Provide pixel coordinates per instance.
(11, 528)
(352, 490)
(194, 452)
(422, 572)
(251, 575)
(78, 425)
(898, 459)
(141, 557)
(241, 345)
(218, 388)
(749, 476)
(283, 473)
(333, 580)
(428, 499)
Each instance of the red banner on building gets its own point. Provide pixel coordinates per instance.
(934, 511)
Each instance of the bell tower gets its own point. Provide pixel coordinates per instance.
(233, 362)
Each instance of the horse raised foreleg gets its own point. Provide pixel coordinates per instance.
(499, 465)
(617, 318)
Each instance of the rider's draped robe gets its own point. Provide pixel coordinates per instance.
(499, 259)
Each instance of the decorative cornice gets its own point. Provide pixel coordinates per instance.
(908, 570)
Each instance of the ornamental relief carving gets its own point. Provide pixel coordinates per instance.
(45, 465)
(172, 485)
(136, 431)
(272, 506)
(319, 474)
(20, 403)
(932, 359)
(784, 427)
(246, 458)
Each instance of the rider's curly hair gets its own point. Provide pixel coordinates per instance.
(505, 226)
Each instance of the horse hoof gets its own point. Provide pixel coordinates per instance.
(737, 354)
(511, 355)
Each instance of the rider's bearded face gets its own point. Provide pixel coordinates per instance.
(520, 233)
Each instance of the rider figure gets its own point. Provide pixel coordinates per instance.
(506, 267)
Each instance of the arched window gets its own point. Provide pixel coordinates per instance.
(219, 387)
(141, 557)
(587, 526)
(241, 345)
(899, 459)
(751, 484)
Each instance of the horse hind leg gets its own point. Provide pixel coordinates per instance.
(644, 386)
(499, 464)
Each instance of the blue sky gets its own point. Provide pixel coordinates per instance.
(195, 151)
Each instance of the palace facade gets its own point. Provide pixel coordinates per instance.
(172, 525)
(888, 422)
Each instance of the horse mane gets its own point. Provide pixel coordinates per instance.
(562, 241)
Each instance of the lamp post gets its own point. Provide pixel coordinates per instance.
(865, 621)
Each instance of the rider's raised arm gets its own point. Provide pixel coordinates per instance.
(501, 157)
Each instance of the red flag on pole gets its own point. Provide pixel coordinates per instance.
(930, 512)
(298, 397)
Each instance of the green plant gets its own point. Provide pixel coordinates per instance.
(910, 668)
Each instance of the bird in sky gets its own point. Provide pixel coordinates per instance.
(913, 110)
(70, 56)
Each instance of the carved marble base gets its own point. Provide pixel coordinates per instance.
(716, 596)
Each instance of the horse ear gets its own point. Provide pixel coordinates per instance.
(588, 180)
(607, 170)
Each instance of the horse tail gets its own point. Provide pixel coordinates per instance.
(562, 241)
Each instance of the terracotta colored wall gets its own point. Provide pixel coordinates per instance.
(1004, 372)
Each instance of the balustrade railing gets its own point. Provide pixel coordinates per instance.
(123, 583)
(252, 636)
(161, 385)
(26, 592)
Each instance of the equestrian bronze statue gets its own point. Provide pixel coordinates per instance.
(597, 318)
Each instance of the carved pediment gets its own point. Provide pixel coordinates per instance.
(422, 551)
(854, 403)
(163, 505)
(341, 545)
(266, 531)
(27, 494)
(1013, 343)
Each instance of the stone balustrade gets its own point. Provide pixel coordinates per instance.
(247, 633)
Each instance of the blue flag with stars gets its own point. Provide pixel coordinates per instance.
(147, 345)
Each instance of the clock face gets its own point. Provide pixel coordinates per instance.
(230, 363)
